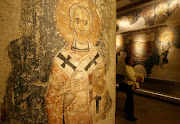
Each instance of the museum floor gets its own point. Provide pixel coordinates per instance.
(148, 110)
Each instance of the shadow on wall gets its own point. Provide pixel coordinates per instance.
(140, 69)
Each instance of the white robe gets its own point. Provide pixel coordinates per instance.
(71, 92)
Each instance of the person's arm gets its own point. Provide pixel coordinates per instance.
(138, 79)
(130, 74)
(141, 78)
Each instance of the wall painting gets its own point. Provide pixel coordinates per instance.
(58, 75)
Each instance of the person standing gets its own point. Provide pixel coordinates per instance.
(131, 82)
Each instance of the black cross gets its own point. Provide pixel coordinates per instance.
(66, 61)
(93, 61)
(98, 98)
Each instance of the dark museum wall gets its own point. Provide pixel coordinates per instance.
(57, 60)
(150, 33)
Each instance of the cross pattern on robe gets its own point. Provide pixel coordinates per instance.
(98, 98)
(92, 62)
(66, 61)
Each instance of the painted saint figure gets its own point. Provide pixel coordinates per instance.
(77, 92)
(165, 46)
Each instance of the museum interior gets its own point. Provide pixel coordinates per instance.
(142, 28)
(67, 61)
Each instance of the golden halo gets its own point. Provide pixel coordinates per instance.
(62, 19)
(170, 36)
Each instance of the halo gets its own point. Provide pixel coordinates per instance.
(62, 19)
(170, 34)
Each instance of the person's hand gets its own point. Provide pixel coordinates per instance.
(138, 79)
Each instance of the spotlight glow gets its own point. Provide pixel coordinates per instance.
(139, 49)
(119, 42)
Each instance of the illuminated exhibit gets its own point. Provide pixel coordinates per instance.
(149, 33)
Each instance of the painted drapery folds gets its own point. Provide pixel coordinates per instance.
(149, 35)
(78, 69)
(59, 64)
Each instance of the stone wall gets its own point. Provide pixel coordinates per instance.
(57, 61)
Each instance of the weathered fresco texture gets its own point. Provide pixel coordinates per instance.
(78, 69)
(60, 63)
(149, 47)
(154, 14)
(150, 34)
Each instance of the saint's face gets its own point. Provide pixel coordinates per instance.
(166, 37)
(82, 25)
